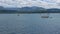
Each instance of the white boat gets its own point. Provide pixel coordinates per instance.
(44, 16)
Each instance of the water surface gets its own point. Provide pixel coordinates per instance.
(29, 24)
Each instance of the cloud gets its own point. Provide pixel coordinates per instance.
(30, 3)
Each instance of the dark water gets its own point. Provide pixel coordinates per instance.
(29, 24)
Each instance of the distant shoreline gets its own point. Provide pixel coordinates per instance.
(20, 13)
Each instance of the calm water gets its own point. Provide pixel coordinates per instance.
(29, 24)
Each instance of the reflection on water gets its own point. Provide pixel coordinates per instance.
(29, 24)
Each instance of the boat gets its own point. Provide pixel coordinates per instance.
(44, 16)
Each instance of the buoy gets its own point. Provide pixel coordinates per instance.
(18, 15)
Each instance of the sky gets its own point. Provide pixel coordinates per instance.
(30, 3)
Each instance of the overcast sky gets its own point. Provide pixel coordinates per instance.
(30, 3)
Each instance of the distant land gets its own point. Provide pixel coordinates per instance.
(33, 9)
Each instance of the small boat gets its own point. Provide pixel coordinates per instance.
(44, 16)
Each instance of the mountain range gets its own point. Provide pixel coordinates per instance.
(30, 9)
